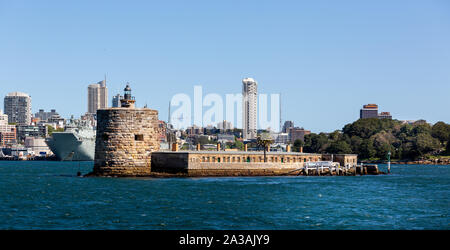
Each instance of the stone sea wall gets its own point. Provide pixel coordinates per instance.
(196, 164)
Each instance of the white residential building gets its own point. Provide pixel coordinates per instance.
(3, 118)
(249, 108)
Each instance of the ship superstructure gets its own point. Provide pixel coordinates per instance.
(76, 143)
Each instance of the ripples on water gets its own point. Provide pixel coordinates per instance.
(48, 195)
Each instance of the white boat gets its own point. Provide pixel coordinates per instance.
(76, 143)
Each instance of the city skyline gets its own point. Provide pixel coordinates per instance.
(344, 54)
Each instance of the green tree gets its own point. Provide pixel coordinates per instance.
(424, 143)
(367, 149)
(238, 144)
(51, 130)
(355, 143)
(315, 143)
(441, 131)
(264, 140)
(297, 144)
(339, 147)
(365, 128)
(447, 151)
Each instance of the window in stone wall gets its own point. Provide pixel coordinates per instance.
(138, 137)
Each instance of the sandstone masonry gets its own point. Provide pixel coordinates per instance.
(124, 142)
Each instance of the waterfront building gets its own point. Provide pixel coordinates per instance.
(37, 145)
(24, 131)
(97, 96)
(8, 137)
(116, 101)
(249, 109)
(18, 108)
(7, 132)
(287, 125)
(241, 163)
(298, 134)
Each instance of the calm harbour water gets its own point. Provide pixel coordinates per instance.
(48, 195)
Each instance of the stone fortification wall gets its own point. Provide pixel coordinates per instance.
(230, 164)
(124, 142)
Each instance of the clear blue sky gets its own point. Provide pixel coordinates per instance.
(327, 58)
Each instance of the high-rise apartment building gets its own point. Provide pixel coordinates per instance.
(116, 101)
(97, 96)
(249, 109)
(18, 108)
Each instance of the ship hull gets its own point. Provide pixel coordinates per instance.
(67, 147)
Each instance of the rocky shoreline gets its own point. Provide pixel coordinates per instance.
(442, 161)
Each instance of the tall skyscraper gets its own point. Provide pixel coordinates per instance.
(18, 108)
(97, 96)
(249, 109)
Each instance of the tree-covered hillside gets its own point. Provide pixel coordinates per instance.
(373, 138)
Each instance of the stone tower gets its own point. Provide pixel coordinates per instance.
(126, 136)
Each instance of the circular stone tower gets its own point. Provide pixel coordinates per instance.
(126, 136)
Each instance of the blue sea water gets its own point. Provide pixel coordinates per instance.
(49, 195)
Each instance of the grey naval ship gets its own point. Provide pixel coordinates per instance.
(76, 143)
